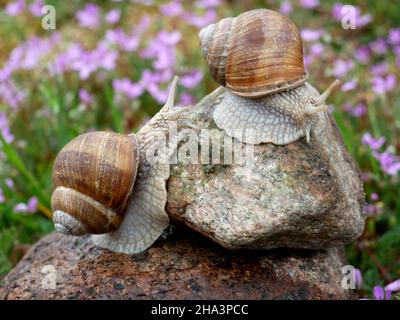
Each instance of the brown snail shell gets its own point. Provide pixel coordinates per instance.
(255, 54)
(93, 176)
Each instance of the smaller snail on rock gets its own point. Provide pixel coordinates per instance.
(107, 186)
(258, 57)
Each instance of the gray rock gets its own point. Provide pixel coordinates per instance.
(178, 267)
(301, 195)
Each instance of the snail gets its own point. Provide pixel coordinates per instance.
(258, 58)
(106, 185)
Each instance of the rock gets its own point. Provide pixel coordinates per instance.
(301, 195)
(181, 266)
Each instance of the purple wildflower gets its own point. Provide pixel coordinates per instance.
(286, 7)
(208, 17)
(192, 78)
(339, 10)
(349, 85)
(394, 36)
(372, 210)
(30, 207)
(389, 162)
(85, 97)
(32, 204)
(186, 99)
(374, 196)
(381, 85)
(393, 286)
(125, 42)
(157, 93)
(11, 95)
(10, 184)
(89, 16)
(379, 46)
(35, 8)
(372, 142)
(125, 86)
(172, 9)
(206, 4)
(4, 128)
(2, 197)
(15, 8)
(379, 68)
(379, 293)
(358, 278)
(113, 16)
(363, 54)
(356, 111)
(309, 4)
(342, 67)
(317, 49)
(311, 34)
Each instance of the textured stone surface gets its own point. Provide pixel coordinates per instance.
(301, 195)
(181, 266)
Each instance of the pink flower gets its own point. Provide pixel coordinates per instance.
(379, 293)
(381, 85)
(85, 97)
(208, 17)
(172, 9)
(35, 8)
(339, 11)
(317, 49)
(2, 197)
(125, 86)
(309, 4)
(286, 8)
(357, 111)
(342, 67)
(30, 207)
(15, 8)
(205, 4)
(349, 85)
(113, 16)
(393, 286)
(379, 68)
(363, 54)
(373, 143)
(379, 46)
(192, 79)
(358, 278)
(10, 184)
(186, 99)
(311, 34)
(390, 164)
(89, 16)
(4, 128)
(394, 36)
(374, 196)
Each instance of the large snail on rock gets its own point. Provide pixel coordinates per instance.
(258, 57)
(106, 185)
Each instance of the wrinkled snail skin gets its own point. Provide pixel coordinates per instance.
(279, 118)
(106, 186)
(258, 57)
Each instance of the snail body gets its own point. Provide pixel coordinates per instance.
(108, 187)
(258, 57)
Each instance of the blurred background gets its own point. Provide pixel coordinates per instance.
(107, 66)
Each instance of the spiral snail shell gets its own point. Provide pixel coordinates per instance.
(93, 176)
(257, 53)
(106, 186)
(258, 57)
